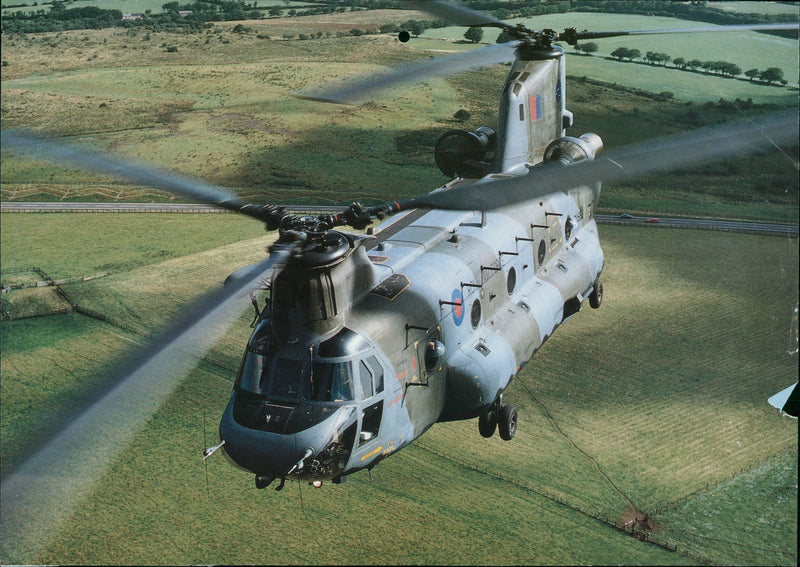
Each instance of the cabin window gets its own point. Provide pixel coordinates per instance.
(370, 422)
(511, 281)
(542, 252)
(475, 313)
(522, 113)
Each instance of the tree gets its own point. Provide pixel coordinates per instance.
(621, 53)
(625, 53)
(772, 75)
(752, 74)
(694, 64)
(474, 34)
(587, 48)
(504, 37)
(679, 62)
(414, 27)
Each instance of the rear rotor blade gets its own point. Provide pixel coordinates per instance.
(456, 14)
(627, 163)
(358, 91)
(42, 493)
(571, 36)
(140, 174)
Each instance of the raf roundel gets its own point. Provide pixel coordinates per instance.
(458, 306)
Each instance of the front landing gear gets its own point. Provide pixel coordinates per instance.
(596, 297)
(499, 417)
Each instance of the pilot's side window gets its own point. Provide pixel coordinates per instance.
(377, 372)
(366, 380)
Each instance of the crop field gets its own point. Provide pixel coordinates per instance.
(645, 418)
(221, 109)
(654, 404)
(746, 49)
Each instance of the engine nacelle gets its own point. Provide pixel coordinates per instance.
(463, 154)
(569, 150)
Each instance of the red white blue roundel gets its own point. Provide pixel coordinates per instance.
(458, 307)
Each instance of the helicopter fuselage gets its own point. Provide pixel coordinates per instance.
(455, 304)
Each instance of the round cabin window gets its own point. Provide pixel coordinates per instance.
(542, 252)
(511, 282)
(475, 313)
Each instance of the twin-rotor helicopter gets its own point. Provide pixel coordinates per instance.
(367, 340)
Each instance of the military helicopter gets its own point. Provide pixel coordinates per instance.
(368, 340)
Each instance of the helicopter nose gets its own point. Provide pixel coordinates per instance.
(265, 454)
(318, 452)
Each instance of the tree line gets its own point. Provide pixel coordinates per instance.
(770, 75)
(59, 17)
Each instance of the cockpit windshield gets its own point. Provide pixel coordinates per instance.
(289, 380)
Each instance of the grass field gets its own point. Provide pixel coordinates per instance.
(224, 112)
(654, 404)
(746, 49)
(657, 401)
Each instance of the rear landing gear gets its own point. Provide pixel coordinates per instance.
(499, 417)
(487, 423)
(508, 422)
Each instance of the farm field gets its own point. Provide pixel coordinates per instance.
(655, 403)
(746, 49)
(649, 413)
(221, 109)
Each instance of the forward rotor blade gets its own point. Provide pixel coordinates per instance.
(456, 14)
(42, 493)
(140, 174)
(358, 91)
(627, 163)
(572, 37)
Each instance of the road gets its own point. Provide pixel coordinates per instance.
(702, 224)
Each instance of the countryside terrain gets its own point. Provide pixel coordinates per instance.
(645, 436)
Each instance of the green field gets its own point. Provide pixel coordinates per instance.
(221, 109)
(757, 7)
(655, 404)
(746, 49)
(657, 401)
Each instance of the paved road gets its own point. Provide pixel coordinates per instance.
(733, 226)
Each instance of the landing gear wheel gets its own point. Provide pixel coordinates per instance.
(596, 297)
(487, 423)
(508, 422)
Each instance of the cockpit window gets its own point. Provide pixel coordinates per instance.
(331, 382)
(289, 380)
(286, 376)
(252, 376)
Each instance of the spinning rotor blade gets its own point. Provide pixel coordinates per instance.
(358, 91)
(457, 14)
(630, 162)
(136, 173)
(42, 493)
(572, 37)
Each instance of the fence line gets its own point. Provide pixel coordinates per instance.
(632, 528)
